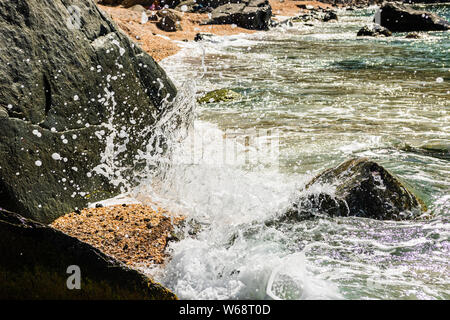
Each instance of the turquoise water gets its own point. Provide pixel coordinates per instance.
(324, 96)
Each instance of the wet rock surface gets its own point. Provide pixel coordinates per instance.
(35, 259)
(61, 80)
(402, 18)
(358, 187)
(374, 30)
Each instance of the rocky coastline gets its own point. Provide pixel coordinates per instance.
(109, 64)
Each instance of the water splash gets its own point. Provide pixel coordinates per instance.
(327, 112)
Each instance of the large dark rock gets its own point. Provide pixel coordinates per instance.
(65, 89)
(401, 18)
(374, 30)
(362, 188)
(249, 14)
(35, 258)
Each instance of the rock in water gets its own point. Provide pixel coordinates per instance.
(35, 260)
(220, 95)
(400, 18)
(329, 15)
(373, 31)
(413, 35)
(203, 36)
(436, 149)
(359, 187)
(70, 81)
(249, 14)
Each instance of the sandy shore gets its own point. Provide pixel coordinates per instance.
(134, 234)
(154, 40)
(289, 8)
(161, 44)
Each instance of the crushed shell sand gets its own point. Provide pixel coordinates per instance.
(134, 234)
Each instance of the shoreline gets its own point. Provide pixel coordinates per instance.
(162, 44)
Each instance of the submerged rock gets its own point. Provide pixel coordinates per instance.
(67, 85)
(304, 17)
(413, 35)
(220, 95)
(249, 14)
(35, 260)
(435, 149)
(401, 18)
(374, 30)
(201, 36)
(357, 187)
(169, 24)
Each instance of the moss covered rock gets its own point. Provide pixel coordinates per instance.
(359, 187)
(35, 259)
(220, 95)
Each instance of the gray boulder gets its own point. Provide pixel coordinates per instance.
(35, 260)
(77, 102)
(362, 188)
(374, 30)
(249, 14)
(401, 18)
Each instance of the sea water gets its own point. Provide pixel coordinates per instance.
(313, 97)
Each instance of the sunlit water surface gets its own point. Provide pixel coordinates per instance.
(314, 96)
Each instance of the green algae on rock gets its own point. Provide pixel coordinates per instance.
(35, 259)
(220, 95)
